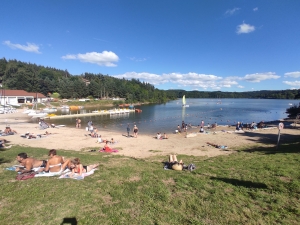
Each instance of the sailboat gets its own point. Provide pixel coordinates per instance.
(184, 102)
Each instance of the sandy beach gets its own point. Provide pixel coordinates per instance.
(190, 143)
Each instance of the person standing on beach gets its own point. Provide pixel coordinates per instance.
(135, 131)
(128, 130)
(202, 123)
(78, 123)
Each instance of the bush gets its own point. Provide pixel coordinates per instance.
(293, 111)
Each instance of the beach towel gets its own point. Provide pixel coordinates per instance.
(51, 174)
(109, 151)
(76, 176)
(26, 176)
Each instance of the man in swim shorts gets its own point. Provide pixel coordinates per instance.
(29, 163)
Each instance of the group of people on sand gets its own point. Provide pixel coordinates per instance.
(250, 126)
(55, 165)
(159, 136)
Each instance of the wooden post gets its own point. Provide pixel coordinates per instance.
(280, 127)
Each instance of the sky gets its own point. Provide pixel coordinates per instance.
(205, 45)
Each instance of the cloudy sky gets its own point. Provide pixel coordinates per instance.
(236, 45)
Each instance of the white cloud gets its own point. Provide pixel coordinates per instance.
(231, 11)
(106, 58)
(258, 77)
(30, 47)
(245, 28)
(240, 86)
(255, 9)
(295, 74)
(137, 59)
(292, 83)
(193, 80)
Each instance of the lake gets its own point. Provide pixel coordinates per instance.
(165, 117)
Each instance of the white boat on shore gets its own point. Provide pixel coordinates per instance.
(49, 110)
(65, 107)
(37, 114)
(28, 111)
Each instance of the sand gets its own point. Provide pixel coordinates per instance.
(190, 143)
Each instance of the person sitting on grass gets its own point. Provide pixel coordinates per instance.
(3, 145)
(106, 147)
(76, 167)
(56, 164)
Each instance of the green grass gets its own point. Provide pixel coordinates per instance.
(252, 186)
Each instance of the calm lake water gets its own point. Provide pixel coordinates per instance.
(165, 117)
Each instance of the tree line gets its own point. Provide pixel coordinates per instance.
(30, 77)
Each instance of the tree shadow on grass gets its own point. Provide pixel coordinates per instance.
(242, 183)
(2, 160)
(289, 143)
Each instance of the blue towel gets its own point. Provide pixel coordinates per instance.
(11, 168)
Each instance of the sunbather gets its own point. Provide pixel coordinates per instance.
(56, 164)
(28, 163)
(174, 164)
(106, 147)
(76, 167)
(9, 131)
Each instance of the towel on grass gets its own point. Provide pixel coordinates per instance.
(76, 176)
(51, 174)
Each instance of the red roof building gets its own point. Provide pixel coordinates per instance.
(20, 96)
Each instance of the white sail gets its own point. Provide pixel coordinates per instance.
(184, 102)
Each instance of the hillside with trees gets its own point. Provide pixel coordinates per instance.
(33, 78)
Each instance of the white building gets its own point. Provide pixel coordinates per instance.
(11, 97)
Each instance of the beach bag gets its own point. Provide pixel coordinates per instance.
(25, 176)
(191, 167)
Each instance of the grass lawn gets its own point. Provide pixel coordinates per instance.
(251, 186)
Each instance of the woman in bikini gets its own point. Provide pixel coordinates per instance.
(135, 131)
(78, 168)
(56, 163)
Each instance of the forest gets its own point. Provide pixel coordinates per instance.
(30, 77)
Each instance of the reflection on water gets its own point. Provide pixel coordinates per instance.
(165, 117)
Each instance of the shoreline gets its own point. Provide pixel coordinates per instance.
(146, 145)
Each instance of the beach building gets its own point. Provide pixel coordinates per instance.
(13, 97)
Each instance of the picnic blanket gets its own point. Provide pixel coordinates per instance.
(77, 176)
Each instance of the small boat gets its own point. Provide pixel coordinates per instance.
(35, 114)
(290, 103)
(49, 110)
(138, 110)
(64, 107)
(28, 111)
(184, 102)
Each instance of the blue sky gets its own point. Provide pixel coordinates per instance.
(204, 45)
